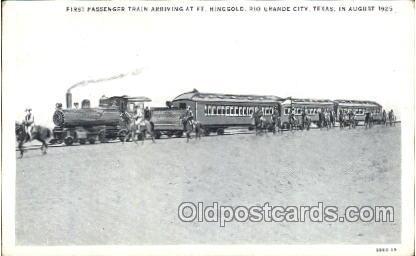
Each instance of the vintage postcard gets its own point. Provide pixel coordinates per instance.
(208, 127)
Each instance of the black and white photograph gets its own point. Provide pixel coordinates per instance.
(208, 127)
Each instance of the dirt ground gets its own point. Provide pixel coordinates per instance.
(129, 194)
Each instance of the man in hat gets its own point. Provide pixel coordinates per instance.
(29, 122)
(138, 115)
(147, 114)
(187, 116)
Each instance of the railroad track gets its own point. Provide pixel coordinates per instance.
(227, 132)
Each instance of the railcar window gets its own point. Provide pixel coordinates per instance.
(232, 110)
(209, 110)
(214, 110)
(245, 111)
(227, 110)
(251, 110)
(205, 109)
(286, 111)
(131, 107)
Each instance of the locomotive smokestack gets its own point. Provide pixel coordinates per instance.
(68, 99)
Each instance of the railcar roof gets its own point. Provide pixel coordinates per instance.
(199, 96)
(357, 103)
(308, 101)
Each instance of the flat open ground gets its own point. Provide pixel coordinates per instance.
(129, 194)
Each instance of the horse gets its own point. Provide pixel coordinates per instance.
(327, 121)
(276, 123)
(38, 132)
(191, 125)
(306, 122)
(392, 118)
(293, 122)
(351, 121)
(132, 127)
(260, 124)
(368, 121)
(146, 127)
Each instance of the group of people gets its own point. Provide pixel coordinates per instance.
(326, 118)
(139, 116)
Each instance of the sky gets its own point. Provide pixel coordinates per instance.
(313, 55)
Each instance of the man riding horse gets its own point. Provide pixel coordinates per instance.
(391, 118)
(28, 131)
(29, 122)
(138, 123)
(351, 119)
(190, 125)
(368, 120)
(258, 117)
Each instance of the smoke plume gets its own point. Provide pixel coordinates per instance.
(93, 81)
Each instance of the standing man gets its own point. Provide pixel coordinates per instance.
(384, 117)
(351, 118)
(303, 117)
(341, 118)
(147, 114)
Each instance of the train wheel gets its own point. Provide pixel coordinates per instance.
(122, 135)
(101, 137)
(207, 132)
(158, 134)
(179, 134)
(220, 131)
(69, 141)
(82, 141)
(140, 136)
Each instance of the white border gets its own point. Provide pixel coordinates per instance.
(407, 220)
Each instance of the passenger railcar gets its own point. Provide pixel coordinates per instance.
(311, 107)
(219, 111)
(360, 108)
